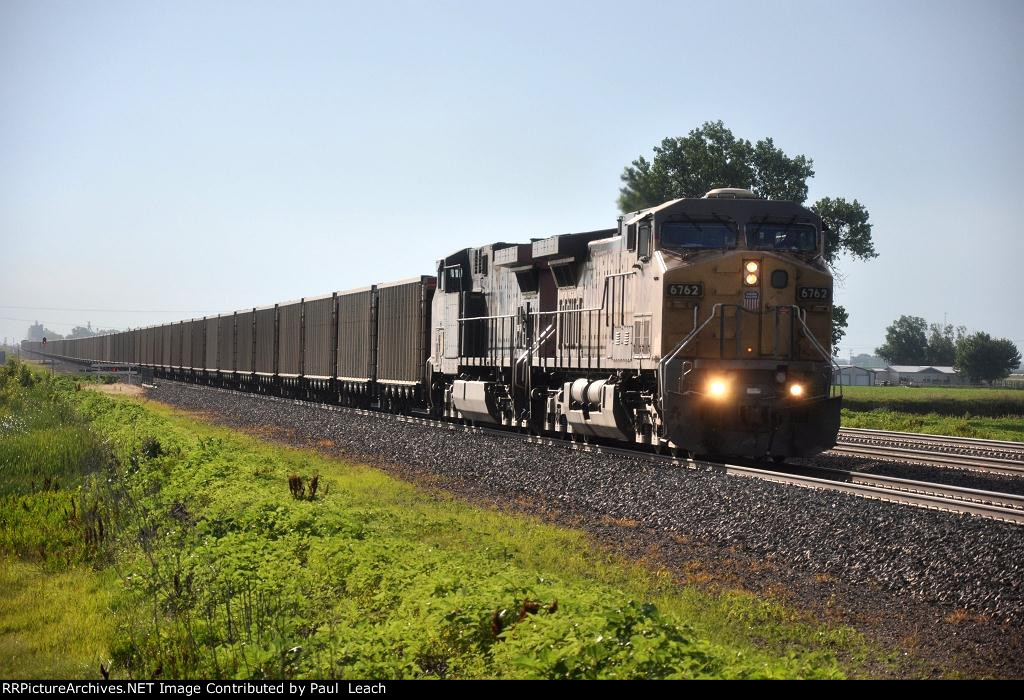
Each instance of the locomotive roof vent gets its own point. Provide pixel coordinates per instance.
(730, 193)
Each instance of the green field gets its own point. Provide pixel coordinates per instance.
(995, 414)
(168, 547)
(926, 393)
(950, 401)
(1005, 428)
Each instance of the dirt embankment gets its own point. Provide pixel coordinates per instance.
(116, 389)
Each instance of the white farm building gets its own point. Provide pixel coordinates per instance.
(923, 375)
(918, 375)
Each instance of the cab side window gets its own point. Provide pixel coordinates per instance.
(643, 242)
(453, 279)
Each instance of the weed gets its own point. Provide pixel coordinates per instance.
(152, 448)
(303, 490)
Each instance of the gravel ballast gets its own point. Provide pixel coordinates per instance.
(949, 586)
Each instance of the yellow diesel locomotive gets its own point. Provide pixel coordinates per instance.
(700, 325)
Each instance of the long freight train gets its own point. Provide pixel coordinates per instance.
(701, 325)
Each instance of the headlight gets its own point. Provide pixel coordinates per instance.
(718, 388)
(796, 390)
(751, 269)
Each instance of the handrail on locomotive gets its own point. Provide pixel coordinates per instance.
(795, 312)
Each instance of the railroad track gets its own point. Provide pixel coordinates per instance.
(1002, 449)
(934, 496)
(954, 499)
(923, 493)
(990, 456)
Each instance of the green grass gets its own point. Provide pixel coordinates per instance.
(945, 401)
(47, 454)
(54, 624)
(1004, 428)
(923, 393)
(207, 566)
(55, 620)
(995, 414)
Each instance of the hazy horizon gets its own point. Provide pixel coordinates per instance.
(171, 160)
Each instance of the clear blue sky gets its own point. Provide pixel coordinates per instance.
(160, 160)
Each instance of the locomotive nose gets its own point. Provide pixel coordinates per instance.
(752, 425)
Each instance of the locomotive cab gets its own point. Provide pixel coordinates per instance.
(745, 367)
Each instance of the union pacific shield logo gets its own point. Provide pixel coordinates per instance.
(751, 301)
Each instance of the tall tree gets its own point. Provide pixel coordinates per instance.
(906, 342)
(840, 320)
(942, 342)
(848, 229)
(982, 358)
(711, 156)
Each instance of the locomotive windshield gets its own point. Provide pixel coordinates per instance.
(698, 235)
(800, 238)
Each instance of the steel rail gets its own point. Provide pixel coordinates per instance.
(962, 493)
(1001, 449)
(990, 465)
(926, 437)
(920, 500)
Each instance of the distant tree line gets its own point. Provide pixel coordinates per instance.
(911, 340)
